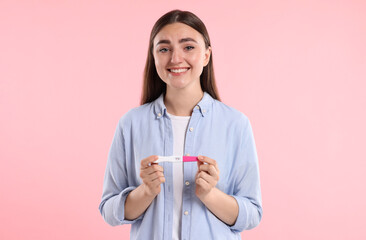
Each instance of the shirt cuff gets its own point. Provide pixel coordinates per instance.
(239, 224)
(249, 215)
(119, 207)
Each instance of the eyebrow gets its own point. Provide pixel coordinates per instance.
(180, 41)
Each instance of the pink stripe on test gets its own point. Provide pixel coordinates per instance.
(190, 159)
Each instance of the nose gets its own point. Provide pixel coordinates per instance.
(177, 56)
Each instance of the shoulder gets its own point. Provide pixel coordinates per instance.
(138, 114)
(231, 115)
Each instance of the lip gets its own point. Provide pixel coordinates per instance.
(178, 73)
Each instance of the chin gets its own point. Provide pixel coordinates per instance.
(178, 85)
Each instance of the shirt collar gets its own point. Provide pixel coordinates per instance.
(204, 106)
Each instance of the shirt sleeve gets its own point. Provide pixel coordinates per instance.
(116, 187)
(247, 190)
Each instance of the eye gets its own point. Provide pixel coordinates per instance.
(163, 50)
(189, 48)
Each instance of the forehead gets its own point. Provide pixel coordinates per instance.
(176, 31)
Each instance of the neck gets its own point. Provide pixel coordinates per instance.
(181, 102)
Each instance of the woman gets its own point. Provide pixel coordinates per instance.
(215, 198)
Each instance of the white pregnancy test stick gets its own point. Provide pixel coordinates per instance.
(176, 159)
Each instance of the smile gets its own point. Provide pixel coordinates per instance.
(178, 70)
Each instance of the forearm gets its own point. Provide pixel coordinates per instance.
(222, 206)
(137, 202)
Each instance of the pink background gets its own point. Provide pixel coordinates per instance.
(70, 69)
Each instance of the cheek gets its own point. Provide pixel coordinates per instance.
(197, 60)
(158, 66)
(156, 61)
(160, 62)
(199, 57)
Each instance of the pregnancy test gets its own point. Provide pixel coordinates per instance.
(176, 159)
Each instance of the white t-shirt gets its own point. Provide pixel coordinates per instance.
(179, 125)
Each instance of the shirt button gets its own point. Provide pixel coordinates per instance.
(187, 183)
(197, 107)
(159, 114)
(186, 213)
(191, 129)
(187, 154)
(204, 110)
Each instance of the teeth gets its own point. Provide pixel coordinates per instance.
(179, 70)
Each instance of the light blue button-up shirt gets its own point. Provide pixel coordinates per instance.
(219, 132)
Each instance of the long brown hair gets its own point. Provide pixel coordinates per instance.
(153, 86)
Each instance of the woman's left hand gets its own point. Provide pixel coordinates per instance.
(207, 176)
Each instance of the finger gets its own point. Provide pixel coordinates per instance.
(208, 160)
(146, 162)
(198, 166)
(153, 176)
(210, 169)
(153, 168)
(202, 183)
(144, 174)
(198, 171)
(199, 163)
(205, 167)
(159, 181)
(155, 186)
(156, 182)
(150, 169)
(208, 178)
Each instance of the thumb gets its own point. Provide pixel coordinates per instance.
(199, 163)
(147, 161)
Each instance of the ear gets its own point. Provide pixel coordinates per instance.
(207, 56)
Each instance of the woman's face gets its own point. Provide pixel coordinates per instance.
(180, 55)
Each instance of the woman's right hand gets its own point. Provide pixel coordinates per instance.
(152, 175)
